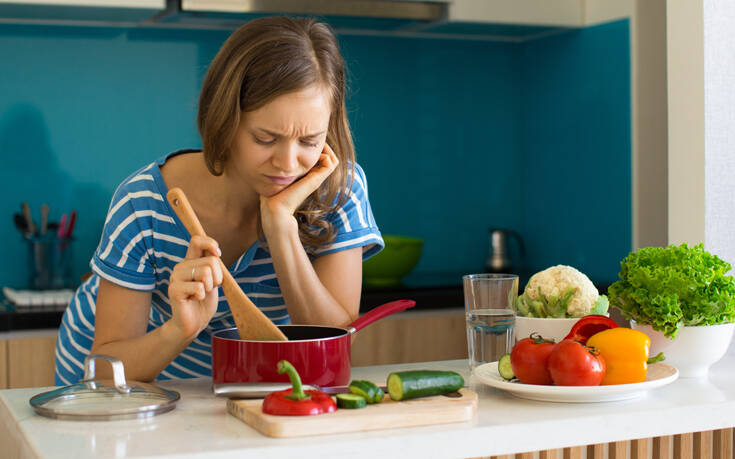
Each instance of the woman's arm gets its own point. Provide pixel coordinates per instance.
(326, 292)
(120, 331)
(121, 317)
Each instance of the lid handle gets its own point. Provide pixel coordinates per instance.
(118, 371)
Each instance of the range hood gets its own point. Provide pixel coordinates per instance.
(345, 16)
(421, 10)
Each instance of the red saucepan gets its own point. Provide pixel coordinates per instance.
(320, 354)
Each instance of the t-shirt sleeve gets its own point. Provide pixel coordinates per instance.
(354, 222)
(124, 251)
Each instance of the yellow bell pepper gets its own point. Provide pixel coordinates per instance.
(626, 354)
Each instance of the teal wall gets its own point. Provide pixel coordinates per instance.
(576, 148)
(455, 136)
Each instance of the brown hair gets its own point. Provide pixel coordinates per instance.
(266, 58)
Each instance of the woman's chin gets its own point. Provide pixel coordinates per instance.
(271, 190)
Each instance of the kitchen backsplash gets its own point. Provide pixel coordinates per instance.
(455, 136)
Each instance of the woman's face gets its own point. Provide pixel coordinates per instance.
(280, 142)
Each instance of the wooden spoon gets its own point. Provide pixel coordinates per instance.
(251, 323)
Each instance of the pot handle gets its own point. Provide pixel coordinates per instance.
(378, 313)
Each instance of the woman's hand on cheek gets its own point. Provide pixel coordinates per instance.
(280, 207)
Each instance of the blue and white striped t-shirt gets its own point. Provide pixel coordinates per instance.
(143, 239)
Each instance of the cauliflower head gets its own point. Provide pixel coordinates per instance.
(560, 291)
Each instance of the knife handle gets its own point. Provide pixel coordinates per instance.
(44, 218)
(29, 219)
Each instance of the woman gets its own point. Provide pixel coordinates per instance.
(278, 193)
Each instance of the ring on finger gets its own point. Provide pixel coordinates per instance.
(192, 273)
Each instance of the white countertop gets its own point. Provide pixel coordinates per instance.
(201, 427)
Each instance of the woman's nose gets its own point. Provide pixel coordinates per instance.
(286, 157)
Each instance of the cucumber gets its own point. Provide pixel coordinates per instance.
(403, 385)
(379, 394)
(351, 401)
(505, 368)
(368, 390)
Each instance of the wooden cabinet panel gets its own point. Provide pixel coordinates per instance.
(662, 447)
(618, 450)
(683, 446)
(412, 337)
(3, 365)
(693, 445)
(722, 441)
(702, 444)
(639, 449)
(30, 361)
(596, 451)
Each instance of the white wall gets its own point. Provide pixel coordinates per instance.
(667, 44)
(649, 123)
(686, 159)
(719, 104)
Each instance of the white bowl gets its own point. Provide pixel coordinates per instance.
(549, 328)
(694, 349)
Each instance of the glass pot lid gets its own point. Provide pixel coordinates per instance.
(104, 400)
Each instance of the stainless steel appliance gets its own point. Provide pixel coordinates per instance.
(502, 258)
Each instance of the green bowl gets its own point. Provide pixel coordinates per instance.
(398, 258)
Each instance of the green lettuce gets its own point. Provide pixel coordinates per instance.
(669, 287)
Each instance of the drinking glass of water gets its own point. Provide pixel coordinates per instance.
(488, 301)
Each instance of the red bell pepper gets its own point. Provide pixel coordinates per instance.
(587, 326)
(296, 401)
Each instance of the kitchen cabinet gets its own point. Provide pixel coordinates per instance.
(561, 13)
(99, 3)
(27, 359)
(412, 336)
(79, 12)
(3, 364)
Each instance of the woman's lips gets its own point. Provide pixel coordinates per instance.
(278, 180)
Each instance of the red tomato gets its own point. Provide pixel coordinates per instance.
(574, 364)
(529, 359)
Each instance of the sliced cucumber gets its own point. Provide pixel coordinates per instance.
(379, 394)
(363, 389)
(368, 390)
(351, 401)
(505, 368)
(404, 385)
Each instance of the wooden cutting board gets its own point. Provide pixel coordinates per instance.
(386, 415)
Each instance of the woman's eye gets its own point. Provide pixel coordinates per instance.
(264, 141)
(309, 144)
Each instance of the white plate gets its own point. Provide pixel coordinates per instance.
(659, 374)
